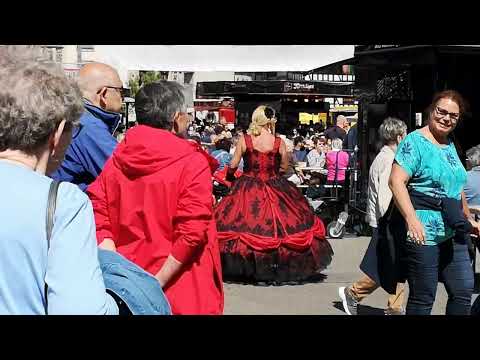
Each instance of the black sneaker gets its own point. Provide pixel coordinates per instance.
(349, 303)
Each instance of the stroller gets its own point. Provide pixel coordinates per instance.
(337, 204)
(329, 203)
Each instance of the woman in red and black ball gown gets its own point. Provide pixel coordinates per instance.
(267, 231)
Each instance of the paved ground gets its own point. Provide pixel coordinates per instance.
(317, 298)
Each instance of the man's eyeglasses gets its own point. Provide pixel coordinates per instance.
(124, 92)
(443, 113)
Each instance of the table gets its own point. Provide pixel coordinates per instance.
(312, 169)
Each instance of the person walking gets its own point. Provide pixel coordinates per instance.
(427, 183)
(392, 131)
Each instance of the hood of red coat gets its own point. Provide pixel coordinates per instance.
(146, 150)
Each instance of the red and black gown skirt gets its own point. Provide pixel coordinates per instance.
(268, 232)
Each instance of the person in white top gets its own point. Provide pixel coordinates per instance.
(316, 157)
(392, 131)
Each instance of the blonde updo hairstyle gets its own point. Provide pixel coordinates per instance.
(263, 116)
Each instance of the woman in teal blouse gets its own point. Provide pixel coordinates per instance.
(426, 161)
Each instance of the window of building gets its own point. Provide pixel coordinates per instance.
(59, 55)
(187, 77)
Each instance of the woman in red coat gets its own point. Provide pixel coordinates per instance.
(153, 203)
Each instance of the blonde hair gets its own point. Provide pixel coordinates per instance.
(260, 120)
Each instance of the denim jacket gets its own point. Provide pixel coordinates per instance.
(131, 286)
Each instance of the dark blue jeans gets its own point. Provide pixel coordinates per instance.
(425, 266)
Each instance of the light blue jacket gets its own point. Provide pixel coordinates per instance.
(70, 267)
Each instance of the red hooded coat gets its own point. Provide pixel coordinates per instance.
(154, 198)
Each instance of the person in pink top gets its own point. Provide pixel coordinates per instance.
(337, 162)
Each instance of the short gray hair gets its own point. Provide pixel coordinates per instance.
(390, 129)
(473, 155)
(156, 103)
(337, 144)
(35, 96)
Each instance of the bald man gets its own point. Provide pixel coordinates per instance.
(337, 131)
(93, 142)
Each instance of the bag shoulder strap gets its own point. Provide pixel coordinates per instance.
(51, 205)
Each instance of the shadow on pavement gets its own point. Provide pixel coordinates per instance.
(314, 279)
(338, 305)
(362, 309)
(370, 310)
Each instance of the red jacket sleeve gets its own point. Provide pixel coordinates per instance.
(96, 192)
(212, 162)
(194, 210)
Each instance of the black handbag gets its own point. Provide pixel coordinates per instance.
(392, 231)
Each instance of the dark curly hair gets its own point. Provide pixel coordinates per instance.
(297, 140)
(218, 129)
(223, 144)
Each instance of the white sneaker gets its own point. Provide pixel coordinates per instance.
(350, 305)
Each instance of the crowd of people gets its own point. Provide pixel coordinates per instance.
(315, 155)
(98, 226)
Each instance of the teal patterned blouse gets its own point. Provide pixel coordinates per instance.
(434, 170)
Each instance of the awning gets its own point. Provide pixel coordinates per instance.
(389, 56)
(273, 87)
(389, 49)
(333, 68)
(234, 58)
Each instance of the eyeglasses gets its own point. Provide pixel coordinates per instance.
(443, 113)
(124, 92)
